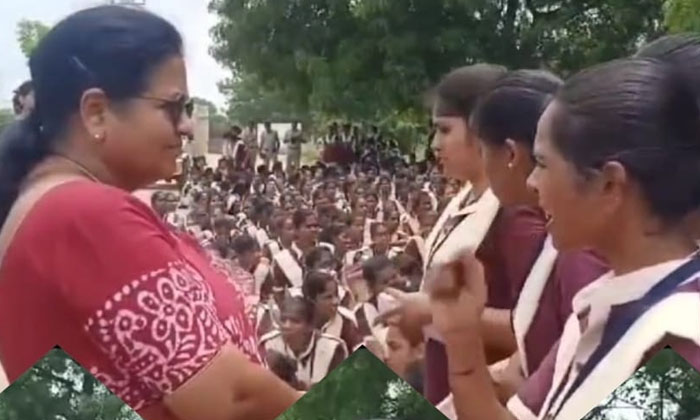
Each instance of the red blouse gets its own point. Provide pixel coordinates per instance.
(95, 271)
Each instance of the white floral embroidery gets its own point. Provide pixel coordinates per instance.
(158, 332)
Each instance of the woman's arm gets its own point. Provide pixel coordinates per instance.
(474, 396)
(231, 388)
(458, 295)
(497, 333)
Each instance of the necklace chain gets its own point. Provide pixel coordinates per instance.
(81, 168)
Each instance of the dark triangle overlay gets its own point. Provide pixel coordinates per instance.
(57, 387)
(362, 388)
(666, 388)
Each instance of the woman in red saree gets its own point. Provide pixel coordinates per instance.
(87, 266)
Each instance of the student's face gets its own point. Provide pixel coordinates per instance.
(326, 304)
(371, 203)
(400, 355)
(507, 168)
(381, 239)
(576, 209)
(392, 221)
(308, 232)
(425, 204)
(331, 190)
(293, 325)
(344, 242)
(455, 147)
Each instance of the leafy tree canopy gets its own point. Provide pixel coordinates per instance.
(29, 33)
(369, 59)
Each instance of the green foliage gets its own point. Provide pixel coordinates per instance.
(667, 387)
(373, 59)
(58, 388)
(682, 15)
(29, 33)
(362, 387)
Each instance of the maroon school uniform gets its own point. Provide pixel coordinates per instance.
(572, 272)
(508, 251)
(618, 323)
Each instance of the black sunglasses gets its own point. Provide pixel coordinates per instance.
(174, 107)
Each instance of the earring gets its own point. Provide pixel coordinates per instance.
(98, 136)
(510, 165)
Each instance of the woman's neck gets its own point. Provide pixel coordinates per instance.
(92, 168)
(633, 249)
(479, 185)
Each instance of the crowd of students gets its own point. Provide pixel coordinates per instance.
(314, 248)
(549, 250)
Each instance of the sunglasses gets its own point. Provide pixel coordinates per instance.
(175, 108)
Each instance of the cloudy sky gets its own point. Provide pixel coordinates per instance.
(190, 16)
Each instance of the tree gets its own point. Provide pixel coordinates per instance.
(362, 387)
(58, 388)
(369, 59)
(682, 15)
(29, 33)
(667, 387)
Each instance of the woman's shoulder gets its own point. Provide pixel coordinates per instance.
(88, 202)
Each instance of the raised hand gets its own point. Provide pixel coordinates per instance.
(458, 294)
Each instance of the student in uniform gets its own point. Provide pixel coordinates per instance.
(506, 121)
(379, 273)
(405, 354)
(323, 258)
(506, 240)
(617, 154)
(316, 354)
(322, 289)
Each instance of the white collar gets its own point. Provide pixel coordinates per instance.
(611, 290)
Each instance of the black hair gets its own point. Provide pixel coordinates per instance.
(299, 217)
(641, 113)
(330, 234)
(109, 47)
(372, 267)
(315, 255)
(22, 91)
(512, 108)
(315, 283)
(244, 243)
(681, 50)
(457, 93)
(303, 305)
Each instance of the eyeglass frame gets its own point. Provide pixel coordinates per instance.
(174, 108)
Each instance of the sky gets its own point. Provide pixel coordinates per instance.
(191, 17)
